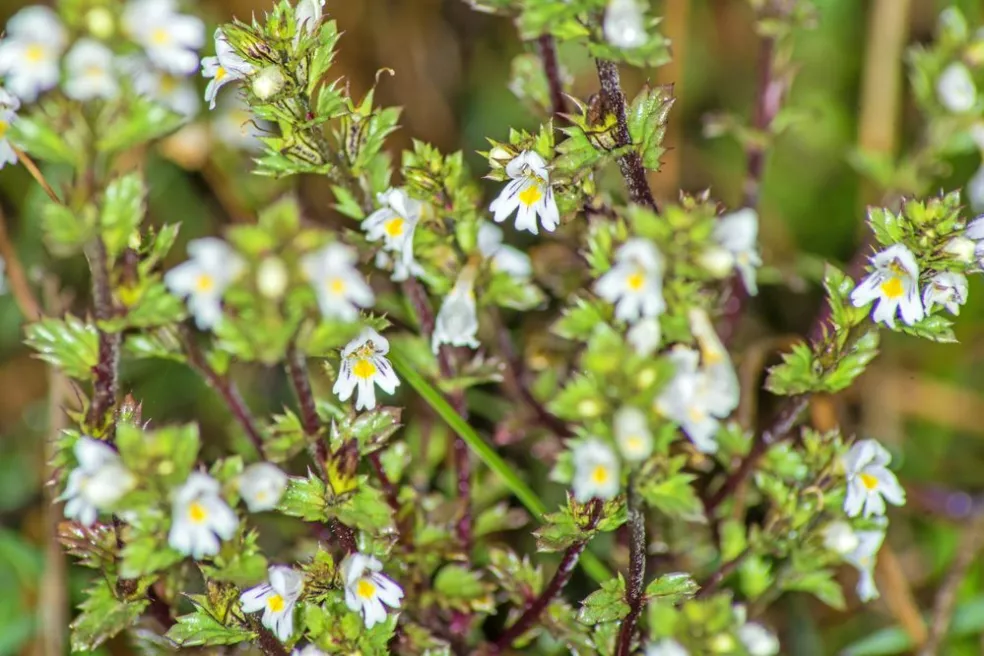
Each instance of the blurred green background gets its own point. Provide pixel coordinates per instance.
(451, 65)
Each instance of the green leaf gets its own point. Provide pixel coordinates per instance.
(647, 118)
(103, 616)
(200, 629)
(305, 498)
(70, 344)
(40, 139)
(605, 605)
(122, 212)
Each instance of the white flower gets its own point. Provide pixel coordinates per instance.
(394, 223)
(894, 282)
(261, 485)
(946, 289)
(223, 68)
(307, 15)
(624, 25)
(29, 54)
(89, 69)
(737, 233)
(596, 472)
(174, 92)
(862, 558)
(840, 538)
(504, 257)
(956, 89)
(635, 281)
(975, 190)
(235, 126)
(364, 365)
(204, 278)
(869, 482)
(666, 647)
(276, 599)
(457, 321)
(199, 517)
(367, 590)
(170, 39)
(97, 483)
(340, 288)
(645, 336)
(529, 192)
(632, 434)
(758, 640)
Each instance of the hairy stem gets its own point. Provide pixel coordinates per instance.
(637, 572)
(630, 163)
(551, 67)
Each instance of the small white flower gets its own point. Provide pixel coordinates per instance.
(869, 481)
(758, 640)
(666, 647)
(974, 190)
(894, 283)
(89, 67)
(170, 39)
(737, 233)
(956, 89)
(223, 68)
(29, 53)
(529, 192)
(174, 92)
(394, 223)
(276, 599)
(632, 434)
(340, 288)
(862, 558)
(307, 15)
(204, 278)
(364, 365)
(645, 336)
(367, 590)
(97, 483)
(199, 517)
(596, 472)
(235, 126)
(624, 24)
(261, 485)
(840, 538)
(947, 289)
(504, 257)
(635, 281)
(457, 321)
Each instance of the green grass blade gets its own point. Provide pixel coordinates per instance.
(592, 564)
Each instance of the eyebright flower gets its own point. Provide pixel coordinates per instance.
(596, 472)
(394, 223)
(204, 278)
(29, 53)
(89, 67)
(223, 68)
(170, 39)
(504, 257)
(635, 282)
(862, 558)
(176, 93)
(737, 233)
(956, 89)
(632, 434)
(666, 647)
(307, 14)
(261, 486)
(869, 481)
(645, 336)
(364, 365)
(758, 640)
(367, 590)
(947, 289)
(529, 192)
(894, 283)
(340, 288)
(276, 599)
(457, 321)
(199, 517)
(97, 483)
(624, 25)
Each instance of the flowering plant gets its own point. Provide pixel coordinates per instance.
(382, 508)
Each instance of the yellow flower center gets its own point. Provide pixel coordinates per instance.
(365, 588)
(530, 195)
(160, 37)
(869, 481)
(219, 73)
(364, 369)
(34, 52)
(599, 474)
(892, 288)
(204, 283)
(394, 227)
(635, 281)
(197, 513)
(275, 603)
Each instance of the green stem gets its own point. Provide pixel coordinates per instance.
(592, 564)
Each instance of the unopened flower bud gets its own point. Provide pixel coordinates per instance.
(271, 278)
(961, 248)
(717, 261)
(268, 82)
